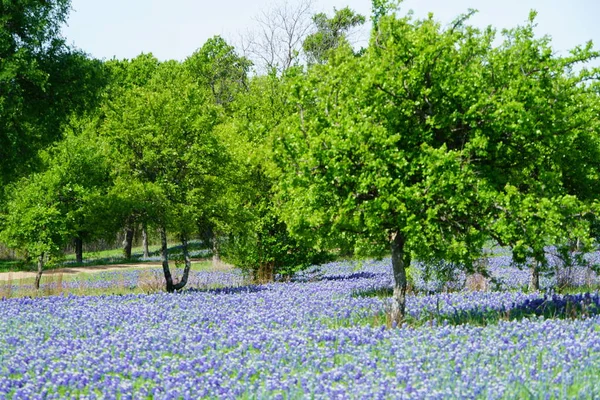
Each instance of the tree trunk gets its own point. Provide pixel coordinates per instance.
(400, 261)
(79, 250)
(40, 269)
(164, 255)
(534, 278)
(145, 241)
(265, 273)
(216, 257)
(128, 241)
(188, 265)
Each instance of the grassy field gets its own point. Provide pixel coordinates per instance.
(135, 280)
(106, 257)
(136, 253)
(14, 266)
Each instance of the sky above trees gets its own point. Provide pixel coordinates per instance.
(175, 29)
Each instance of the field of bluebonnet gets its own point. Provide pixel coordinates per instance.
(318, 336)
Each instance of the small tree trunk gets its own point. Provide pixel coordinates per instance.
(265, 272)
(79, 250)
(145, 241)
(400, 261)
(164, 255)
(128, 241)
(188, 265)
(216, 257)
(40, 269)
(534, 278)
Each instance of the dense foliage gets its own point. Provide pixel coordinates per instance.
(68, 200)
(431, 143)
(435, 141)
(42, 82)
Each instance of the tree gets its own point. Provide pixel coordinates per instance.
(33, 221)
(217, 66)
(266, 249)
(277, 43)
(258, 239)
(381, 8)
(433, 140)
(331, 33)
(42, 82)
(126, 75)
(81, 164)
(549, 168)
(67, 200)
(162, 133)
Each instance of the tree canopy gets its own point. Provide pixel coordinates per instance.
(429, 143)
(162, 135)
(436, 140)
(331, 33)
(42, 81)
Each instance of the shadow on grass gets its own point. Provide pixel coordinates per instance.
(382, 292)
(196, 249)
(317, 278)
(357, 275)
(549, 307)
(228, 290)
(568, 306)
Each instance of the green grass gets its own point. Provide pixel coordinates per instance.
(578, 289)
(136, 252)
(383, 318)
(105, 257)
(95, 276)
(376, 292)
(13, 266)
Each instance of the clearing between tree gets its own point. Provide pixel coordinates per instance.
(17, 275)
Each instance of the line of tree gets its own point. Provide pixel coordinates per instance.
(428, 143)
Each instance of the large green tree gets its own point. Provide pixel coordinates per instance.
(126, 75)
(42, 81)
(259, 241)
(218, 67)
(33, 221)
(162, 135)
(435, 140)
(66, 200)
(81, 161)
(542, 145)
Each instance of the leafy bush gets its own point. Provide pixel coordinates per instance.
(272, 252)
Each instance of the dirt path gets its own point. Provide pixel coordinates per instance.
(6, 276)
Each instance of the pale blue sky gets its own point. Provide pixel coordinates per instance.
(173, 29)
